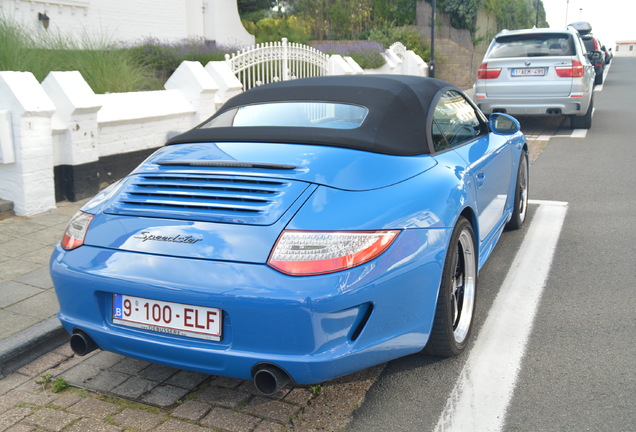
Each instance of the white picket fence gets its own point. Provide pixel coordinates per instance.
(276, 61)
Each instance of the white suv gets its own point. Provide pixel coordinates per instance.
(537, 72)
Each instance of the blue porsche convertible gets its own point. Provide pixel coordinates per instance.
(307, 230)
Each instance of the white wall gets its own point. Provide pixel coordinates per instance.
(131, 21)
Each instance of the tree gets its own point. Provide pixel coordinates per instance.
(247, 6)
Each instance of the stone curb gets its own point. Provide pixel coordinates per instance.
(28, 345)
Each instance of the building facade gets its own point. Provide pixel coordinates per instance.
(625, 48)
(132, 21)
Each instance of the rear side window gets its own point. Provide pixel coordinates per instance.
(454, 122)
(533, 45)
(292, 114)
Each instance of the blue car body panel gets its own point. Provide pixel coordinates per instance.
(195, 224)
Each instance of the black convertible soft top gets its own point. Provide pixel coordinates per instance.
(395, 124)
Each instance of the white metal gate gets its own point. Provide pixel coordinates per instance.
(276, 61)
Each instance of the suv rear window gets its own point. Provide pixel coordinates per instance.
(533, 45)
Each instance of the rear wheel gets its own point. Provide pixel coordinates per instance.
(456, 301)
(521, 194)
(584, 121)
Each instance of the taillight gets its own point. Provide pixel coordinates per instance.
(305, 253)
(485, 73)
(573, 71)
(76, 231)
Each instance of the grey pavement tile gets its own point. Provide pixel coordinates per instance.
(268, 426)
(165, 395)
(157, 372)
(187, 379)
(48, 236)
(81, 373)
(90, 425)
(43, 305)
(50, 419)
(223, 397)
(104, 359)
(40, 278)
(11, 382)
(134, 387)
(67, 400)
(138, 419)
(231, 383)
(130, 365)
(42, 364)
(233, 421)
(18, 227)
(95, 408)
(106, 381)
(40, 256)
(49, 219)
(12, 417)
(21, 427)
(271, 409)
(14, 268)
(12, 323)
(17, 247)
(7, 402)
(12, 292)
(173, 425)
(35, 398)
(191, 410)
(299, 396)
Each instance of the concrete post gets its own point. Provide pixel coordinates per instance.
(197, 86)
(28, 181)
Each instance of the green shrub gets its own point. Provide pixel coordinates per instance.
(105, 68)
(409, 36)
(366, 53)
(273, 29)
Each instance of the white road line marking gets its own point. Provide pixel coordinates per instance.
(486, 383)
(579, 133)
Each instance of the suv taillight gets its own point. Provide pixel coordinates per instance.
(574, 71)
(485, 73)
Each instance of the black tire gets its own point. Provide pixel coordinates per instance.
(456, 301)
(584, 121)
(520, 209)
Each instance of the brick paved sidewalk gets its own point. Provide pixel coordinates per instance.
(115, 393)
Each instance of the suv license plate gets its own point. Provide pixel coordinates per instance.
(528, 72)
(167, 317)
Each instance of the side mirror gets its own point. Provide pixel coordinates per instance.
(595, 55)
(503, 124)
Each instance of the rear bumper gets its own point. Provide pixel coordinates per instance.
(521, 106)
(315, 328)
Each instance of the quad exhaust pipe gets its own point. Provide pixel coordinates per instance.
(269, 379)
(82, 343)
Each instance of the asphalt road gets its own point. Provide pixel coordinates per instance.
(577, 368)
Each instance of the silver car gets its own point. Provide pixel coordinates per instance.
(537, 72)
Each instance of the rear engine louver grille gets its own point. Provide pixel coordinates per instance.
(229, 199)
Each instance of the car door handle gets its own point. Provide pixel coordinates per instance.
(480, 178)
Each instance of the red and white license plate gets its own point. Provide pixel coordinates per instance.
(528, 72)
(167, 317)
